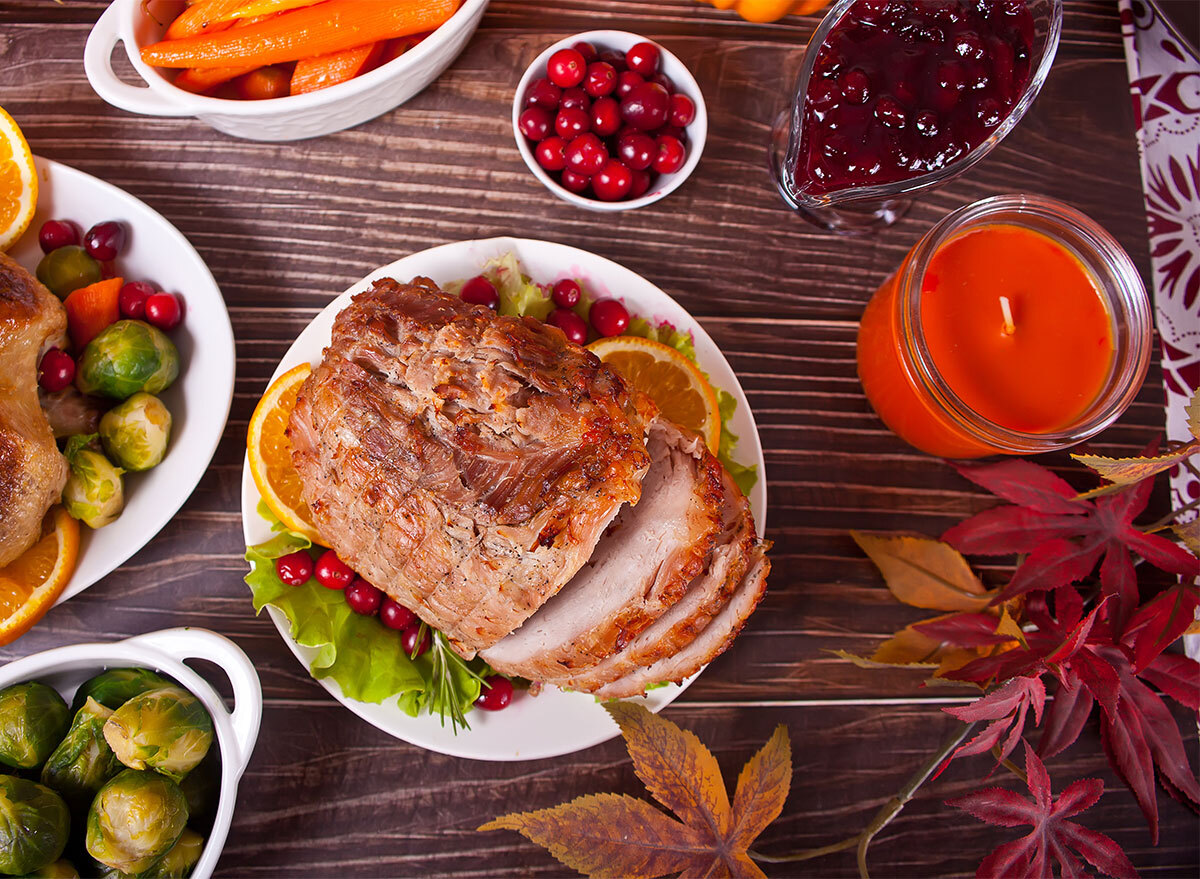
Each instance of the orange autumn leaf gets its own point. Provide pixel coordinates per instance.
(1189, 533)
(1193, 413)
(925, 573)
(1126, 471)
(610, 835)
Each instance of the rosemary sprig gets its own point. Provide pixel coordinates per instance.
(443, 691)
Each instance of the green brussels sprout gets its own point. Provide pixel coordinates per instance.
(95, 492)
(34, 824)
(33, 720)
(116, 686)
(57, 870)
(126, 357)
(83, 761)
(66, 269)
(167, 729)
(135, 819)
(179, 861)
(135, 433)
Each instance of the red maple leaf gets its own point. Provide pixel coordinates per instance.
(1006, 707)
(1053, 838)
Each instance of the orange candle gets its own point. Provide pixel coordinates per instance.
(1017, 325)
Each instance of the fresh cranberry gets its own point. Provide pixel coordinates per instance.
(57, 233)
(363, 598)
(566, 68)
(572, 122)
(164, 310)
(609, 317)
(637, 150)
(566, 293)
(890, 113)
(574, 99)
(480, 291)
(415, 639)
(586, 49)
(104, 240)
(570, 323)
(670, 155)
(576, 183)
(662, 79)
(57, 370)
(543, 93)
(613, 57)
(108, 269)
(641, 183)
(613, 181)
(643, 58)
(627, 80)
(295, 568)
(333, 573)
(131, 301)
(395, 615)
(683, 110)
(601, 79)
(549, 153)
(606, 116)
(646, 106)
(586, 154)
(535, 122)
(495, 694)
(673, 131)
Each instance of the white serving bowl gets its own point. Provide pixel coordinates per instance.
(137, 23)
(65, 668)
(685, 84)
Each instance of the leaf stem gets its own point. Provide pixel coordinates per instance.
(1170, 517)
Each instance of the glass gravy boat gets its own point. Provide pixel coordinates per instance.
(860, 209)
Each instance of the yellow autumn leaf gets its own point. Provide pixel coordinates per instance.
(923, 572)
(1126, 471)
(1189, 533)
(1193, 414)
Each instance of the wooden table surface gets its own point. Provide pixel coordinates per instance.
(285, 227)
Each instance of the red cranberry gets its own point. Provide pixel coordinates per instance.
(606, 116)
(643, 58)
(586, 49)
(637, 150)
(566, 293)
(824, 95)
(108, 269)
(987, 111)
(495, 694)
(295, 568)
(641, 183)
(586, 154)
(164, 310)
(927, 123)
(646, 106)
(543, 93)
(574, 98)
(613, 181)
(572, 122)
(613, 57)
(601, 79)
(56, 371)
(890, 113)
(673, 131)
(570, 323)
(549, 153)
(104, 240)
(670, 155)
(57, 233)
(662, 79)
(535, 122)
(566, 68)
(131, 301)
(609, 317)
(969, 45)
(576, 183)
(363, 598)
(480, 291)
(415, 639)
(856, 87)
(627, 80)
(683, 110)
(396, 616)
(333, 573)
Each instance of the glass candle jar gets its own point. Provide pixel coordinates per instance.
(979, 369)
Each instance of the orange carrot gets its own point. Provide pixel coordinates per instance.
(397, 47)
(321, 29)
(198, 80)
(213, 16)
(90, 309)
(323, 71)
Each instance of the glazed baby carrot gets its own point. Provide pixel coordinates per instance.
(213, 16)
(199, 80)
(323, 71)
(320, 29)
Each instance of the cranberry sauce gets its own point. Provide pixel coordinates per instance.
(904, 87)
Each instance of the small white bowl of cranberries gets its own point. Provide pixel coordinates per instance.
(609, 121)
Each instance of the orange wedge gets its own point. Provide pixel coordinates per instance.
(270, 454)
(672, 381)
(18, 182)
(31, 583)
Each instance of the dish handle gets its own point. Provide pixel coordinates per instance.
(97, 63)
(186, 643)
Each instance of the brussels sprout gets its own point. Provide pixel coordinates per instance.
(83, 761)
(135, 819)
(95, 492)
(66, 269)
(135, 433)
(165, 729)
(57, 870)
(34, 824)
(33, 719)
(179, 861)
(116, 686)
(126, 357)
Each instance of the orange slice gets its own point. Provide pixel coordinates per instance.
(270, 454)
(31, 583)
(672, 381)
(18, 182)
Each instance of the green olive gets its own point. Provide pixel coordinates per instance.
(68, 268)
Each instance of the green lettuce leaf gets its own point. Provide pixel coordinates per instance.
(519, 296)
(745, 476)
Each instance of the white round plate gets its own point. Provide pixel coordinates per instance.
(554, 722)
(157, 252)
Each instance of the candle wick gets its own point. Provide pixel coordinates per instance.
(1009, 326)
